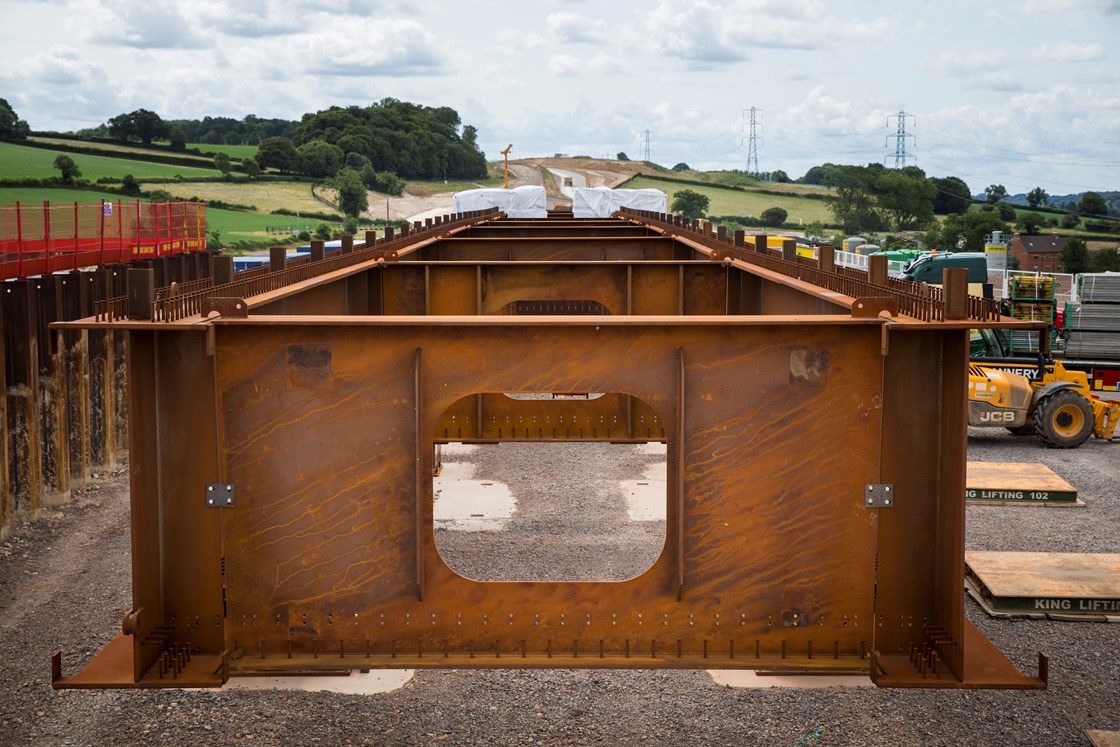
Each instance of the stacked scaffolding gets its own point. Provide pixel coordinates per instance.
(1032, 299)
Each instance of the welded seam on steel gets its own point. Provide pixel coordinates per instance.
(680, 473)
(419, 475)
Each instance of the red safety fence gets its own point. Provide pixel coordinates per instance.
(40, 239)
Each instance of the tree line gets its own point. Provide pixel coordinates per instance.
(352, 148)
(874, 198)
(406, 139)
(382, 143)
(11, 126)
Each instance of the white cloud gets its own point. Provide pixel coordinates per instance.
(515, 39)
(61, 84)
(1001, 20)
(1055, 149)
(1004, 82)
(581, 127)
(566, 65)
(822, 113)
(701, 32)
(143, 24)
(269, 18)
(692, 30)
(369, 47)
(63, 66)
(572, 28)
(969, 63)
(1108, 7)
(1105, 77)
(258, 63)
(1070, 52)
(250, 18)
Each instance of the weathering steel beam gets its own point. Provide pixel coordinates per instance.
(324, 410)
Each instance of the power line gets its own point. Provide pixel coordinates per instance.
(955, 170)
(720, 144)
(990, 151)
(647, 145)
(900, 155)
(753, 138)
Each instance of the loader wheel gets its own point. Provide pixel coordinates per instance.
(1064, 420)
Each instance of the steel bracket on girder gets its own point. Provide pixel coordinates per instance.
(869, 308)
(220, 495)
(227, 307)
(879, 495)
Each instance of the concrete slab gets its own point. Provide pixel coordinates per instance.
(355, 683)
(653, 447)
(463, 503)
(751, 678)
(645, 498)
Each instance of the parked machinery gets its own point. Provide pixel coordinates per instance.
(1035, 395)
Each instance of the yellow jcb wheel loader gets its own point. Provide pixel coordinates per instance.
(1036, 395)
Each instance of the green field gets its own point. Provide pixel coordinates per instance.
(112, 149)
(421, 188)
(738, 179)
(17, 161)
(36, 196)
(264, 196)
(733, 202)
(259, 228)
(236, 152)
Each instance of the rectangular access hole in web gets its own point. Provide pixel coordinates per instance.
(550, 511)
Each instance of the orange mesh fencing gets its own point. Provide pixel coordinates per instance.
(40, 239)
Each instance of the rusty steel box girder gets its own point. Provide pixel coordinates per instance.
(282, 514)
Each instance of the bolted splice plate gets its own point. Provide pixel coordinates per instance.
(220, 495)
(877, 495)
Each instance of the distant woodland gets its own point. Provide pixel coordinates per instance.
(390, 136)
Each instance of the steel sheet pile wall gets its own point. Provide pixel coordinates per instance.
(282, 515)
(65, 403)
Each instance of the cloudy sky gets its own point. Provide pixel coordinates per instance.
(1022, 94)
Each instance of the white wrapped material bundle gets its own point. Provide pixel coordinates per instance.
(520, 202)
(602, 202)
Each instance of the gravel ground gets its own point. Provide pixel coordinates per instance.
(587, 537)
(64, 582)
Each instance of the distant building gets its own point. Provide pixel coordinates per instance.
(1037, 253)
